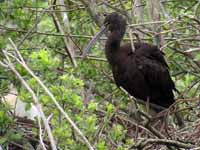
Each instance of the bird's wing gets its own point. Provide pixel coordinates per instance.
(159, 56)
(156, 73)
(151, 52)
(159, 82)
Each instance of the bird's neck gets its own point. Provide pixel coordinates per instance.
(113, 45)
(114, 40)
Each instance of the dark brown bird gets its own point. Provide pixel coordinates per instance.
(142, 72)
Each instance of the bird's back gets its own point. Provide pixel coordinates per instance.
(144, 73)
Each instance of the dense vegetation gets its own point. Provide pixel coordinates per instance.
(48, 39)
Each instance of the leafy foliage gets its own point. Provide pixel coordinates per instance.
(87, 93)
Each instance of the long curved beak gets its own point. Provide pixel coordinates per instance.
(93, 41)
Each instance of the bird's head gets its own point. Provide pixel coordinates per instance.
(114, 21)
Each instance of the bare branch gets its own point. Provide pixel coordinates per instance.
(40, 135)
(154, 14)
(92, 9)
(68, 48)
(36, 101)
(54, 100)
(165, 142)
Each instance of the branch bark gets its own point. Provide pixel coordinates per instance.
(67, 41)
(91, 6)
(165, 142)
(138, 12)
(154, 15)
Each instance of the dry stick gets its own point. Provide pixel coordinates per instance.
(165, 13)
(71, 42)
(196, 12)
(35, 99)
(89, 57)
(188, 55)
(19, 145)
(192, 50)
(121, 116)
(129, 29)
(2, 27)
(29, 7)
(69, 50)
(179, 101)
(114, 8)
(196, 123)
(165, 142)
(50, 34)
(33, 27)
(66, 24)
(131, 38)
(60, 28)
(91, 7)
(53, 99)
(47, 11)
(40, 134)
(150, 128)
(149, 23)
(82, 36)
(3, 64)
(147, 124)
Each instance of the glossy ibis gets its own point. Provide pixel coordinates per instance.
(142, 72)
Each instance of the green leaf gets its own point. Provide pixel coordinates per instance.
(197, 57)
(101, 145)
(92, 106)
(110, 108)
(3, 140)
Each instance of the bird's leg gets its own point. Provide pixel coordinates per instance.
(179, 119)
(147, 105)
(136, 110)
(132, 98)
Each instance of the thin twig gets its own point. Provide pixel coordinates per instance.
(54, 100)
(40, 134)
(36, 102)
(166, 142)
(69, 49)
